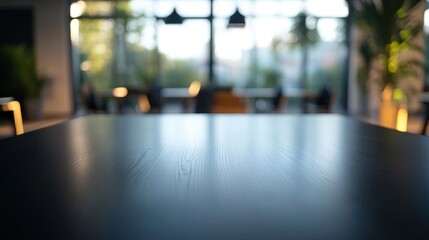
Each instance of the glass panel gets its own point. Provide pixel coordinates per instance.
(193, 8)
(327, 8)
(95, 46)
(104, 8)
(184, 8)
(330, 29)
(136, 49)
(184, 50)
(148, 33)
(145, 8)
(326, 65)
(269, 8)
(139, 54)
(163, 8)
(224, 8)
(113, 53)
(291, 8)
(246, 57)
(232, 48)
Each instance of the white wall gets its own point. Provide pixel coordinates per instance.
(51, 42)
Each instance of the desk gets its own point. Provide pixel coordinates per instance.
(214, 177)
(179, 95)
(256, 93)
(271, 92)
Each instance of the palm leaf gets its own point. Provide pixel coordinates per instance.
(386, 22)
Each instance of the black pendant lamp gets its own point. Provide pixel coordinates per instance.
(237, 20)
(173, 18)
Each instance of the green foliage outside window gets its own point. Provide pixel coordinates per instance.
(114, 61)
(179, 74)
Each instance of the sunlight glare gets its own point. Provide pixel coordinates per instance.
(74, 31)
(77, 9)
(402, 119)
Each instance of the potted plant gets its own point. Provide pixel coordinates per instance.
(19, 78)
(390, 51)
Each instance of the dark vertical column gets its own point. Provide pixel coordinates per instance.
(211, 61)
(115, 69)
(157, 58)
(344, 98)
(16, 24)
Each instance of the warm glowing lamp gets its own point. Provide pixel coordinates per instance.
(120, 92)
(194, 88)
(402, 119)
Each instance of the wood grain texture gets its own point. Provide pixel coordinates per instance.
(214, 177)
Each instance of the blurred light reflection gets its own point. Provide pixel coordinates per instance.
(120, 92)
(402, 119)
(77, 9)
(74, 31)
(194, 88)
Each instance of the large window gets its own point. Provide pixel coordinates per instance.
(126, 43)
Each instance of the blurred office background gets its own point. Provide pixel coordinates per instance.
(139, 57)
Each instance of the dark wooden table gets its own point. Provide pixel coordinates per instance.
(214, 177)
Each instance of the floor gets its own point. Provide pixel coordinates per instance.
(6, 129)
(414, 125)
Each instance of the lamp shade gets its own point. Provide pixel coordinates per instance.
(237, 20)
(173, 18)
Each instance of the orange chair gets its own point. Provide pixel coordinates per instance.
(226, 102)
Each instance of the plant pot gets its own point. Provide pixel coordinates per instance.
(391, 114)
